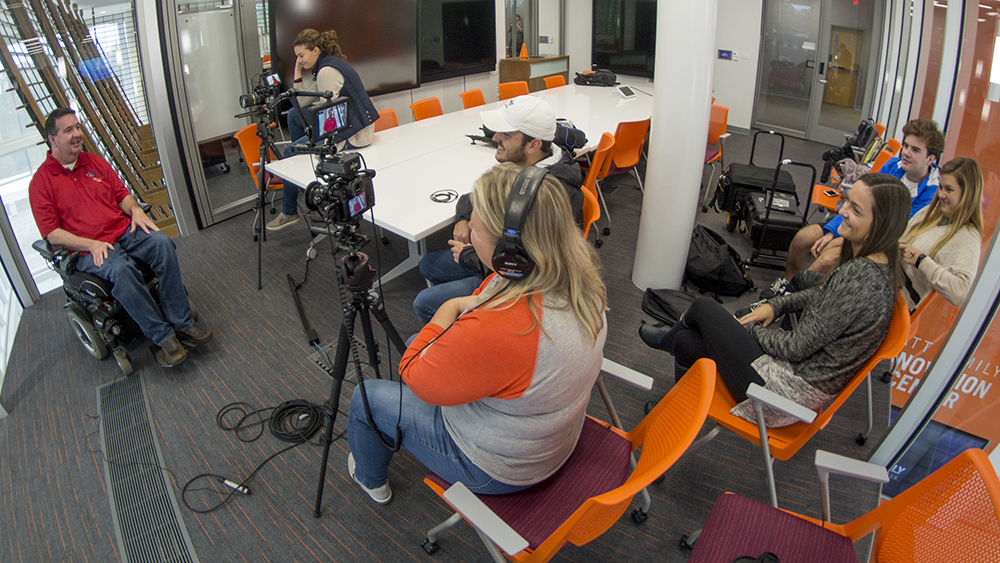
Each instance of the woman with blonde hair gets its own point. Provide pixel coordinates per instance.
(943, 240)
(497, 383)
(320, 65)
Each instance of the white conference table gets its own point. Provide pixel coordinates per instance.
(416, 159)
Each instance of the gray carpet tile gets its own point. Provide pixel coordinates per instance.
(55, 505)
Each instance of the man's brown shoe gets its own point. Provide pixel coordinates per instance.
(171, 353)
(197, 335)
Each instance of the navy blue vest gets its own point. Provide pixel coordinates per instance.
(361, 111)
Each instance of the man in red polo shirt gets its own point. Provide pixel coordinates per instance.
(79, 202)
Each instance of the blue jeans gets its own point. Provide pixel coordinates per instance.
(157, 250)
(450, 280)
(423, 434)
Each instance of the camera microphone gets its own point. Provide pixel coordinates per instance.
(235, 486)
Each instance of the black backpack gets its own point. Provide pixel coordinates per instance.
(714, 266)
(666, 305)
(861, 138)
(596, 78)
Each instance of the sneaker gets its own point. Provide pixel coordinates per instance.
(740, 313)
(196, 335)
(282, 221)
(381, 495)
(778, 287)
(171, 353)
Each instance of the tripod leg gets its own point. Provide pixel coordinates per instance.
(330, 411)
(366, 327)
(378, 310)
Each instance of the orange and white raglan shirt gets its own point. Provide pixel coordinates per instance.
(513, 397)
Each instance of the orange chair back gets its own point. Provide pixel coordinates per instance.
(881, 159)
(894, 145)
(472, 98)
(428, 107)
(591, 211)
(952, 514)
(879, 129)
(386, 120)
(717, 122)
(664, 434)
(785, 441)
(250, 147)
(599, 163)
(554, 81)
(510, 90)
(629, 138)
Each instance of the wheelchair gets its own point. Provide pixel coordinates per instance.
(98, 320)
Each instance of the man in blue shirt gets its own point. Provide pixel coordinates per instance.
(916, 166)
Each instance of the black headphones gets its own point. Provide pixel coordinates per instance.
(510, 260)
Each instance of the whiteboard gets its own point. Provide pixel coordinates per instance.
(211, 66)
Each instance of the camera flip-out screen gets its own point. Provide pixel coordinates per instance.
(327, 118)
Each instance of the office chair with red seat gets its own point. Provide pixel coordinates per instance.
(426, 108)
(952, 515)
(510, 90)
(595, 486)
(472, 98)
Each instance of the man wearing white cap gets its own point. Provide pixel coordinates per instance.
(524, 128)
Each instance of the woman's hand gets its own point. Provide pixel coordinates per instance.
(909, 253)
(448, 312)
(763, 314)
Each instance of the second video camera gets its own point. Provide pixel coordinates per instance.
(344, 191)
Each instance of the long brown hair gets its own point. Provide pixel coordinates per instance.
(565, 265)
(968, 214)
(890, 213)
(326, 41)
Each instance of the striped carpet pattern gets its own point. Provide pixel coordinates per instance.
(54, 502)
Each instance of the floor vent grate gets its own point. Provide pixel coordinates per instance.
(147, 521)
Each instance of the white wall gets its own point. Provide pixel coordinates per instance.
(579, 19)
(548, 26)
(735, 81)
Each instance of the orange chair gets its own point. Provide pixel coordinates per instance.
(386, 120)
(952, 514)
(472, 98)
(782, 443)
(510, 90)
(630, 136)
(554, 81)
(718, 123)
(879, 129)
(428, 107)
(599, 164)
(829, 202)
(591, 213)
(250, 147)
(593, 488)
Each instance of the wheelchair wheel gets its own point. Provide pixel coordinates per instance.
(88, 335)
(124, 361)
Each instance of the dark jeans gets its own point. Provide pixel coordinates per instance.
(707, 330)
(158, 322)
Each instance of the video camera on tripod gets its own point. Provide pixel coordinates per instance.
(342, 191)
(267, 88)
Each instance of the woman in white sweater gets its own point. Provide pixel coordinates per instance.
(942, 242)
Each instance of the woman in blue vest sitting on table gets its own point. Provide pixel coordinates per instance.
(320, 65)
(843, 317)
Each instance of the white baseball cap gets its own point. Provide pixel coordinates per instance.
(527, 114)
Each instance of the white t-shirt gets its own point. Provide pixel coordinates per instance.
(912, 186)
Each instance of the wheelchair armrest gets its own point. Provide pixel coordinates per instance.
(47, 251)
(484, 519)
(628, 375)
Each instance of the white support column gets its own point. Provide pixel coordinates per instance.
(685, 65)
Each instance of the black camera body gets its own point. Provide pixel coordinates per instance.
(343, 191)
(266, 90)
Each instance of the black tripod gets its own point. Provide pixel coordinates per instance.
(355, 274)
(265, 117)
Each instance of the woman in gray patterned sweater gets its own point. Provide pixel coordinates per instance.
(842, 318)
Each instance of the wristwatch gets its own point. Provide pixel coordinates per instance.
(919, 259)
